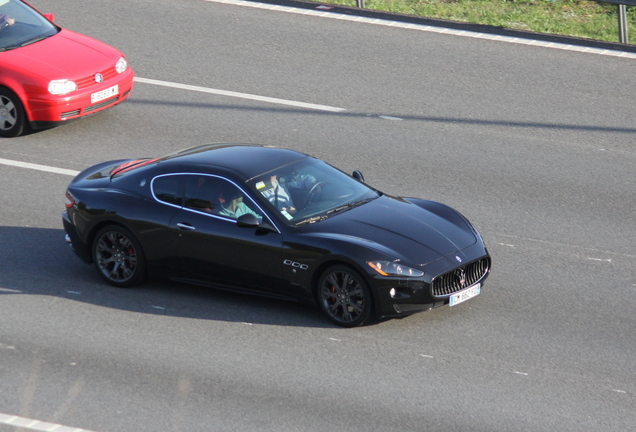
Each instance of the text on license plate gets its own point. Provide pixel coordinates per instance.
(104, 94)
(464, 295)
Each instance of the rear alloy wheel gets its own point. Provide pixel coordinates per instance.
(344, 296)
(12, 118)
(118, 256)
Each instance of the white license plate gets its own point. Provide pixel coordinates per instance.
(462, 296)
(104, 94)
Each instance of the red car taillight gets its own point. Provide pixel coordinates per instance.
(70, 201)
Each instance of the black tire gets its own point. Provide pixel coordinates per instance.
(345, 296)
(12, 118)
(118, 257)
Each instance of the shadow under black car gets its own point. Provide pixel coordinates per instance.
(37, 261)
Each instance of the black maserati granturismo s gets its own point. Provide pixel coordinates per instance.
(274, 222)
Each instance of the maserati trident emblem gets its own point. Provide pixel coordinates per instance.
(99, 77)
(460, 276)
(458, 258)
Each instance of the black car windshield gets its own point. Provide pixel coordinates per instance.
(20, 25)
(309, 190)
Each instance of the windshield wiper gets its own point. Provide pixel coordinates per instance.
(339, 209)
(348, 206)
(313, 219)
(9, 48)
(333, 211)
(34, 40)
(29, 42)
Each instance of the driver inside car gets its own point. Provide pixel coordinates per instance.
(6, 21)
(279, 196)
(281, 191)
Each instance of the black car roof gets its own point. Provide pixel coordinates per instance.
(247, 160)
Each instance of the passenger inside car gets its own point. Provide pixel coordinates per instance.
(231, 202)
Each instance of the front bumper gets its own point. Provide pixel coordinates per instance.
(405, 296)
(48, 110)
(400, 297)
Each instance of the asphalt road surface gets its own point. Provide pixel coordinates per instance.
(536, 145)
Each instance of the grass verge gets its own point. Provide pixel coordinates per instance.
(578, 18)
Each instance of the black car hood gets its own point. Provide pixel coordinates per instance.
(414, 231)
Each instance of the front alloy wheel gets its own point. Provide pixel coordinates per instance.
(118, 256)
(345, 297)
(11, 114)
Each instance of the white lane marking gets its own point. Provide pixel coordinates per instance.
(506, 244)
(430, 29)
(239, 95)
(38, 167)
(600, 259)
(565, 246)
(36, 425)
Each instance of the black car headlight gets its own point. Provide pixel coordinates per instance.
(389, 268)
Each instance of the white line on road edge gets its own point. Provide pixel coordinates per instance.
(430, 29)
(239, 95)
(38, 167)
(36, 425)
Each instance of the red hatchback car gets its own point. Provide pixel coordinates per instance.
(50, 75)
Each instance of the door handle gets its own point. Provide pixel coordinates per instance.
(185, 226)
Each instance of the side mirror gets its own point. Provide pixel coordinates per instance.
(358, 176)
(248, 220)
(49, 16)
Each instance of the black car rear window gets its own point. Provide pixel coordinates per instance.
(168, 189)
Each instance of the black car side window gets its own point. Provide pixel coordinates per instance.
(203, 193)
(167, 189)
(217, 196)
(233, 203)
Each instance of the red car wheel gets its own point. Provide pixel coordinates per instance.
(12, 118)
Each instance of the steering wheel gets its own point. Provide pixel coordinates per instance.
(313, 191)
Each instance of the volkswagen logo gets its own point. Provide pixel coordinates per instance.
(99, 77)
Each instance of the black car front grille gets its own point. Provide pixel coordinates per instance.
(461, 277)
